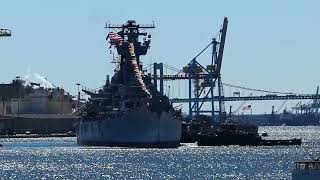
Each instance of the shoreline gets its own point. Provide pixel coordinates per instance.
(37, 135)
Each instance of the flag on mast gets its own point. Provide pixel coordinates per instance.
(114, 37)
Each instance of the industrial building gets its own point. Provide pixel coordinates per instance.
(30, 107)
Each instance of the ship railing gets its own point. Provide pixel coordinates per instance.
(308, 165)
(108, 25)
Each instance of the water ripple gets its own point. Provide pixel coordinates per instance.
(61, 158)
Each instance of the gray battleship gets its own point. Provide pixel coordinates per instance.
(129, 111)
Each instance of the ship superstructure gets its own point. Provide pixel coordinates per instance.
(128, 110)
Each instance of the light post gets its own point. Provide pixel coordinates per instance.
(78, 102)
(18, 87)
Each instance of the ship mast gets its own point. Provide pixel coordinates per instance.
(122, 37)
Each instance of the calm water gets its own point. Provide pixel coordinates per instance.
(61, 158)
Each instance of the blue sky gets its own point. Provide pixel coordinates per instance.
(270, 44)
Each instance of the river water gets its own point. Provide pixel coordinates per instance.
(62, 158)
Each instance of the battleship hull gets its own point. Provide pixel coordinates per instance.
(133, 129)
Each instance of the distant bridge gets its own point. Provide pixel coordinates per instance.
(183, 77)
(249, 98)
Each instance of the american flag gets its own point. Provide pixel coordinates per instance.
(114, 37)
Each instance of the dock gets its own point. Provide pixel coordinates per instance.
(38, 135)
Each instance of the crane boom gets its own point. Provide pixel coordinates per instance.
(5, 32)
(222, 43)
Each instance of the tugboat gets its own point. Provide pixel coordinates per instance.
(129, 111)
(231, 134)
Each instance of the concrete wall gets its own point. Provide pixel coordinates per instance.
(21, 106)
(37, 125)
(40, 105)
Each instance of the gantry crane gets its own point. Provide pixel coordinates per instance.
(204, 79)
(211, 79)
(218, 64)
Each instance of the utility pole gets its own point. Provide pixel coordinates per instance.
(19, 96)
(78, 102)
(7, 33)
